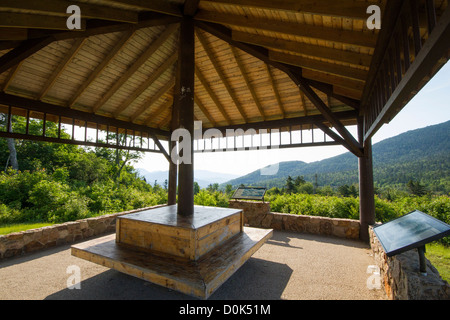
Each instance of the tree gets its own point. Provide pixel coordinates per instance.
(289, 187)
(416, 188)
(196, 188)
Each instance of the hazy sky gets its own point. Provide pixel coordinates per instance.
(430, 106)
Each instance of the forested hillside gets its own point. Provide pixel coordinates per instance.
(421, 155)
(59, 182)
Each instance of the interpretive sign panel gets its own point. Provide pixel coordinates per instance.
(410, 231)
(249, 193)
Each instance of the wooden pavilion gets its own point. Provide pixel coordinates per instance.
(145, 68)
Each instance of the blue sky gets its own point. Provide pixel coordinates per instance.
(430, 106)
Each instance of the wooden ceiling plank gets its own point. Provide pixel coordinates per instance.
(212, 95)
(158, 111)
(99, 68)
(149, 102)
(222, 76)
(355, 38)
(136, 65)
(247, 81)
(204, 111)
(76, 46)
(10, 77)
(147, 83)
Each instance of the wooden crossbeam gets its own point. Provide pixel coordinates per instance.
(160, 6)
(151, 49)
(313, 64)
(59, 7)
(221, 74)
(353, 58)
(190, 7)
(326, 112)
(39, 106)
(38, 21)
(23, 51)
(343, 8)
(362, 39)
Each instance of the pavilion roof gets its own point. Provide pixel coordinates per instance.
(122, 64)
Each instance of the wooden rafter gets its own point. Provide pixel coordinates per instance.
(101, 66)
(212, 94)
(147, 83)
(190, 7)
(164, 106)
(37, 21)
(160, 6)
(248, 83)
(149, 102)
(362, 39)
(317, 51)
(314, 64)
(275, 90)
(10, 77)
(59, 7)
(76, 46)
(343, 8)
(23, 51)
(151, 49)
(326, 112)
(204, 111)
(221, 74)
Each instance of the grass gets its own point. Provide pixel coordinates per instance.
(439, 256)
(10, 228)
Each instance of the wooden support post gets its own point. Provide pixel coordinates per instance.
(184, 103)
(366, 190)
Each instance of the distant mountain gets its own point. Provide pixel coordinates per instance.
(421, 155)
(202, 177)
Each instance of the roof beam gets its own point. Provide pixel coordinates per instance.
(146, 84)
(247, 81)
(202, 108)
(190, 7)
(261, 53)
(212, 95)
(23, 51)
(99, 68)
(275, 90)
(76, 46)
(39, 106)
(149, 102)
(59, 8)
(343, 8)
(221, 74)
(161, 108)
(354, 58)
(326, 112)
(38, 21)
(434, 49)
(136, 65)
(362, 39)
(307, 63)
(160, 6)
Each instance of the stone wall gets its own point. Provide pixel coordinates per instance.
(402, 279)
(257, 214)
(19, 243)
